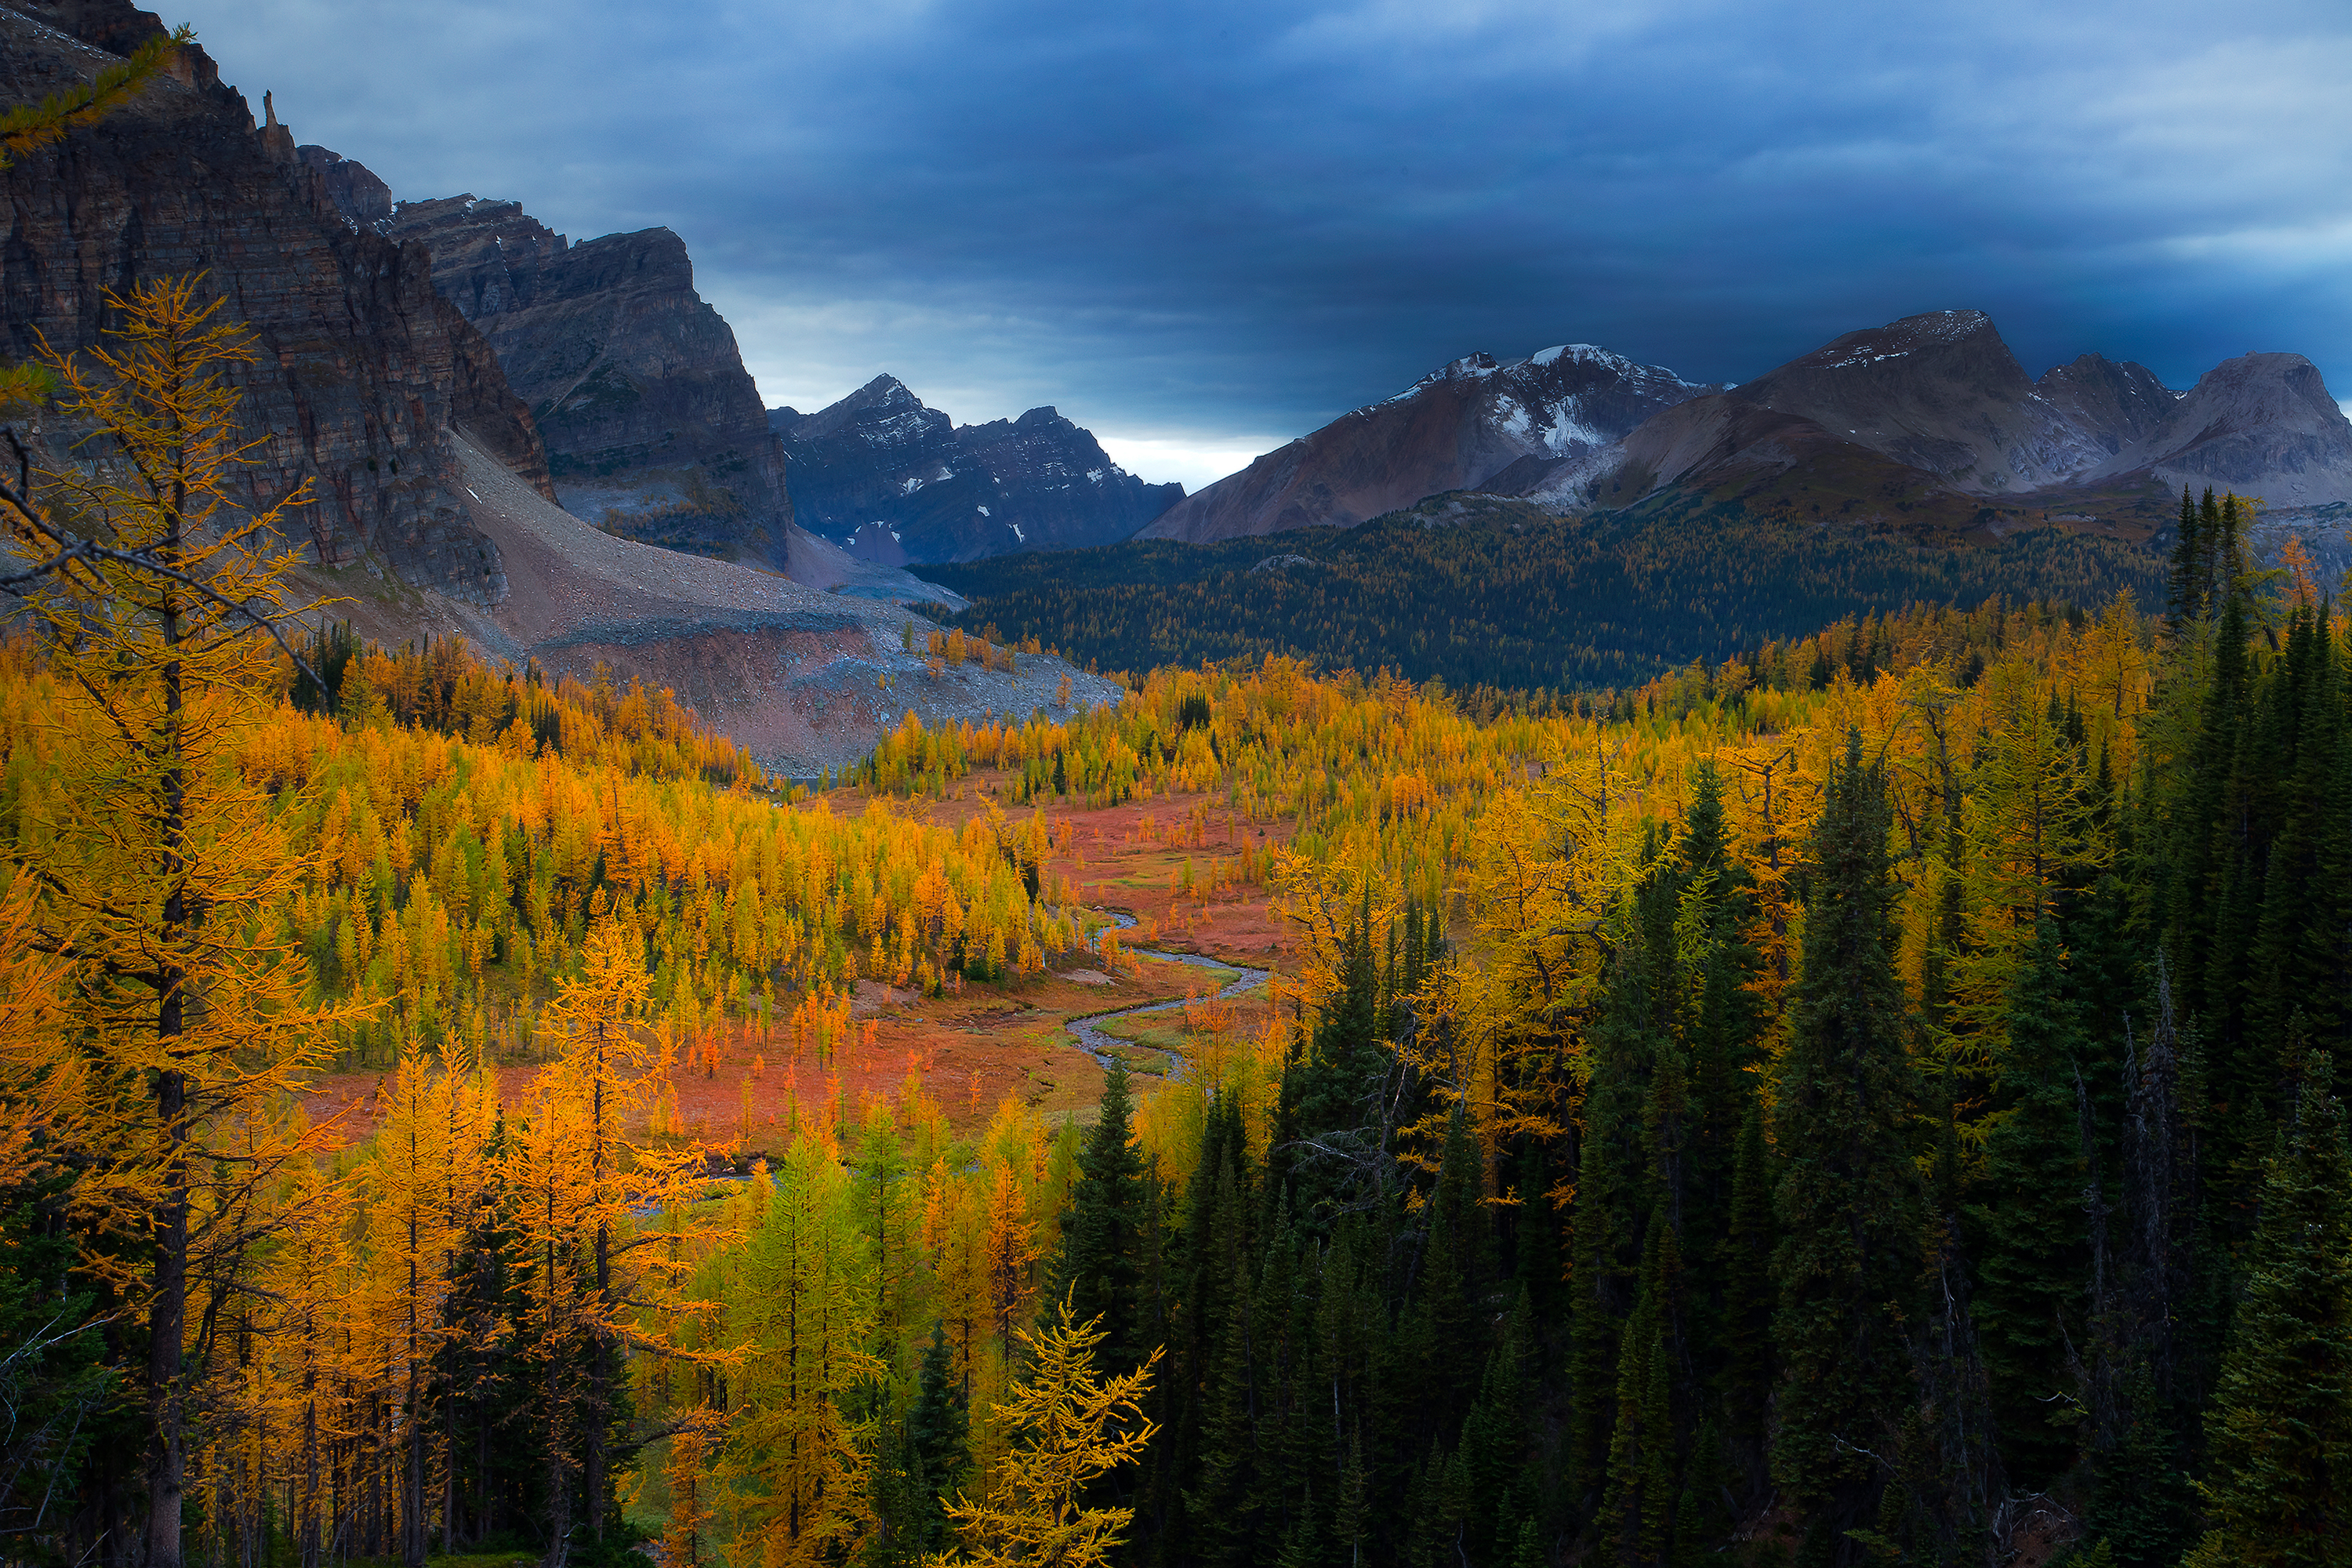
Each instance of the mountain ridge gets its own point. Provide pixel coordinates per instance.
(1928, 423)
(946, 491)
(654, 428)
(1543, 418)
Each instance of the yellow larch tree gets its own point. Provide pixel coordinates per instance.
(804, 1302)
(1070, 1428)
(161, 868)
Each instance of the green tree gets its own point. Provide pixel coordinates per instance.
(2027, 1230)
(1100, 1269)
(1848, 1262)
(938, 1433)
(2280, 1429)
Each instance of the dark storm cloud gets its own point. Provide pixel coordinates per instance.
(1224, 218)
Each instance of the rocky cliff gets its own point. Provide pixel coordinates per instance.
(950, 492)
(1537, 425)
(364, 373)
(653, 429)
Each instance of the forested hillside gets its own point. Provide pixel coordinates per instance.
(1868, 1099)
(1481, 591)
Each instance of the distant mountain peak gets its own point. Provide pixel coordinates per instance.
(1474, 421)
(951, 492)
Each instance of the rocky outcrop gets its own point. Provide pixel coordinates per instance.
(950, 492)
(1532, 426)
(365, 200)
(363, 373)
(653, 429)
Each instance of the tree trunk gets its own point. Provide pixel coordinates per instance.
(167, 1324)
(168, 1313)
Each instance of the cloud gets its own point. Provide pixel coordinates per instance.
(1213, 220)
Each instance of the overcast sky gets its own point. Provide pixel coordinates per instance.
(1201, 228)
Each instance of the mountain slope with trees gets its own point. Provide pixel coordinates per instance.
(1483, 591)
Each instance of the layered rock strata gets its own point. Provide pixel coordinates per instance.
(653, 429)
(362, 371)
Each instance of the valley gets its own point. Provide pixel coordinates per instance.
(1163, 874)
(1577, 968)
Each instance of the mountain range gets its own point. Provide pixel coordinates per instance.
(1928, 425)
(443, 374)
(880, 461)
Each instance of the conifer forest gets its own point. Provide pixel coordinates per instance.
(1866, 1097)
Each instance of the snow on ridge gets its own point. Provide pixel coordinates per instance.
(1475, 366)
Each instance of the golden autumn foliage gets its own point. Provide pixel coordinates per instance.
(215, 890)
(1070, 1426)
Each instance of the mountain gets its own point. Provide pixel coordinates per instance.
(364, 373)
(2262, 425)
(951, 492)
(1930, 425)
(1532, 425)
(435, 512)
(653, 429)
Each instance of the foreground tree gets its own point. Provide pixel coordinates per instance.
(161, 868)
(1071, 1427)
(1848, 1261)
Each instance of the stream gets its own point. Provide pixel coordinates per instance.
(1093, 1040)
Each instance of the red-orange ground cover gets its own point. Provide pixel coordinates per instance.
(970, 1048)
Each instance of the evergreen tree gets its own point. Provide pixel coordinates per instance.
(2280, 1429)
(1745, 1376)
(2187, 591)
(1100, 1266)
(1848, 1261)
(2027, 1229)
(939, 1436)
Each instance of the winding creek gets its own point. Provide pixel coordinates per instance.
(1099, 1044)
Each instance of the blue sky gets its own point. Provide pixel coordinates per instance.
(1201, 229)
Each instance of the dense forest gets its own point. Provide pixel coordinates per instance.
(1869, 1098)
(1482, 591)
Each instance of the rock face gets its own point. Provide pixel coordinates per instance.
(2262, 425)
(2112, 405)
(1536, 425)
(951, 492)
(653, 429)
(363, 373)
(365, 201)
(1926, 420)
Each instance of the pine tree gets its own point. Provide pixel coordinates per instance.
(2280, 1429)
(938, 1430)
(1745, 1331)
(2027, 1231)
(2188, 589)
(1848, 1260)
(1099, 1267)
